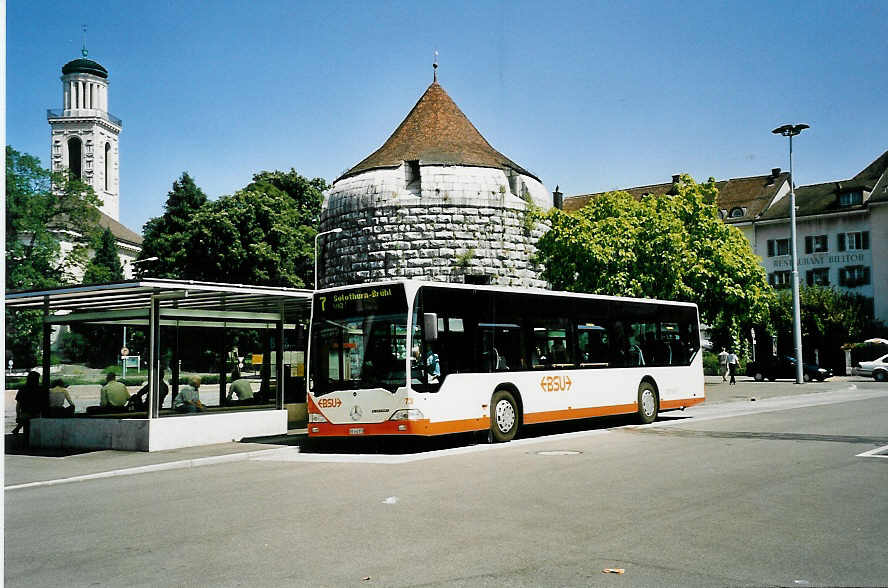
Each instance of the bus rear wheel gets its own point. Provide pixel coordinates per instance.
(648, 403)
(503, 416)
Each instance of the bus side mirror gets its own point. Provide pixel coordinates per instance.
(430, 320)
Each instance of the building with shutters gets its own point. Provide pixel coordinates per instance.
(842, 227)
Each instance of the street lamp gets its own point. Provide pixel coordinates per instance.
(791, 131)
(336, 230)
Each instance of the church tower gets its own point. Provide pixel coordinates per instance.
(84, 135)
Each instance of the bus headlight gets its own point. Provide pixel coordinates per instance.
(316, 417)
(407, 414)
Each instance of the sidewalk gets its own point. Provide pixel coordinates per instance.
(39, 467)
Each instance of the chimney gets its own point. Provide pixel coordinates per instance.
(675, 178)
(558, 198)
(775, 172)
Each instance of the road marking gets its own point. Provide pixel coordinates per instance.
(157, 467)
(877, 452)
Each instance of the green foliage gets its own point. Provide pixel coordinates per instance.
(251, 237)
(830, 319)
(105, 265)
(667, 246)
(465, 258)
(263, 234)
(165, 236)
(72, 347)
(40, 205)
(710, 363)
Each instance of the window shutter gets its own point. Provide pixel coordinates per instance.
(841, 241)
(809, 244)
(770, 247)
(809, 277)
(866, 276)
(865, 240)
(842, 277)
(770, 277)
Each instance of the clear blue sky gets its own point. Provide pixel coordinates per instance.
(589, 95)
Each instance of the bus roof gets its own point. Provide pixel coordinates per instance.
(412, 285)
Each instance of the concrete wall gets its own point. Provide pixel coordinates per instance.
(163, 433)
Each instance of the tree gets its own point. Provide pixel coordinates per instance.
(105, 264)
(254, 236)
(830, 319)
(43, 209)
(668, 246)
(165, 236)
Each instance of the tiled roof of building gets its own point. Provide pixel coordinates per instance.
(436, 132)
(750, 195)
(120, 232)
(824, 198)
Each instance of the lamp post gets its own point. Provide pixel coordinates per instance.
(791, 131)
(336, 230)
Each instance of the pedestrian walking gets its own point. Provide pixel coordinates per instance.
(733, 364)
(723, 364)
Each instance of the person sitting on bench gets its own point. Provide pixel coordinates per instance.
(114, 393)
(188, 398)
(241, 388)
(58, 395)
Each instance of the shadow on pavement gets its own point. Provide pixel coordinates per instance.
(15, 445)
(416, 445)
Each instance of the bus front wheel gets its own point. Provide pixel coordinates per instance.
(648, 403)
(503, 416)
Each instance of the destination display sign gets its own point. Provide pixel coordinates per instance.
(361, 301)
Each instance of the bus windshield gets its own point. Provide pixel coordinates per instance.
(359, 340)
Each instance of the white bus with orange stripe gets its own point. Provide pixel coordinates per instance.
(419, 358)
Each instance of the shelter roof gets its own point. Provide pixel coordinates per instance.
(436, 131)
(128, 302)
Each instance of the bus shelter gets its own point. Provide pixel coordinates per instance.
(181, 320)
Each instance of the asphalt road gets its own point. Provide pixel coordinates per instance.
(734, 492)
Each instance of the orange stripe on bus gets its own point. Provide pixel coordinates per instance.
(682, 403)
(424, 427)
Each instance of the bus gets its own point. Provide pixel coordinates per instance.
(427, 358)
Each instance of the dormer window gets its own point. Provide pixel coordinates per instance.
(738, 212)
(723, 213)
(851, 198)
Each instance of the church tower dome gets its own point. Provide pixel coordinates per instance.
(435, 202)
(84, 135)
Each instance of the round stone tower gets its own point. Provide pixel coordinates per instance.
(435, 202)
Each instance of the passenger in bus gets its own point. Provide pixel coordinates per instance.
(559, 352)
(433, 367)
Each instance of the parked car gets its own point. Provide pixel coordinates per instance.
(877, 368)
(785, 367)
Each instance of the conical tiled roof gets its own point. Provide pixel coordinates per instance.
(436, 132)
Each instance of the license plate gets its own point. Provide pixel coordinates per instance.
(356, 431)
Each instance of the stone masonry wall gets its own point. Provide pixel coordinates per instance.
(461, 221)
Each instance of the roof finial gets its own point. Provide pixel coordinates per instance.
(83, 41)
(435, 68)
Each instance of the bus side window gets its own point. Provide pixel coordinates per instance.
(591, 345)
(551, 347)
